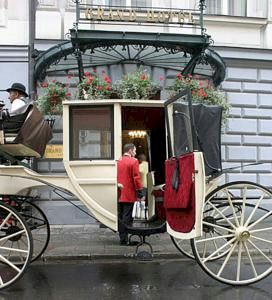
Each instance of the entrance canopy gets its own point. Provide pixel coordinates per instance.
(164, 53)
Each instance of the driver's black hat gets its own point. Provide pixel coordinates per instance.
(16, 86)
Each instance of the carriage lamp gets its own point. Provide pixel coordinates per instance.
(137, 134)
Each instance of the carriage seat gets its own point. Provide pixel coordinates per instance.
(31, 138)
(13, 124)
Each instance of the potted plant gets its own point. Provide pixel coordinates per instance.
(136, 85)
(94, 86)
(202, 91)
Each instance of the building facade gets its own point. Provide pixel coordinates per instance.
(241, 33)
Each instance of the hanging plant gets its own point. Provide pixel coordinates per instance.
(202, 92)
(49, 102)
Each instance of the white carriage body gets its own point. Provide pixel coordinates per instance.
(94, 181)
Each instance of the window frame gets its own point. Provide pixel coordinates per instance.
(71, 136)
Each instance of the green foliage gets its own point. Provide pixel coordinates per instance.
(52, 95)
(136, 85)
(202, 92)
(94, 86)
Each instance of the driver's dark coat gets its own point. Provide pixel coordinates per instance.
(128, 175)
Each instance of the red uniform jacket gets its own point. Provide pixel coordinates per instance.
(128, 175)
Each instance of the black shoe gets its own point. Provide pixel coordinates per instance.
(123, 243)
(133, 243)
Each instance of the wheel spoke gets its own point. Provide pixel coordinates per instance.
(222, 215)
(243, 206)
(261, 239)
(213, 238)
(260, 229)
(258, 221)
(13, 249)
(260, 251)
(239, 262)
(250, 260)
(219, 249)
(232, 208)
(9, 263)
(217, 226)
(254, 210)
(226, 259)
(11, 235)
(5, 220)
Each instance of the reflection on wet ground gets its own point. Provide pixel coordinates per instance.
(127, 280)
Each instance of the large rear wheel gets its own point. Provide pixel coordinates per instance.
(237, 224)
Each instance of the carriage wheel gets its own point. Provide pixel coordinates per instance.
(183, 246)
(15, 245)
(237, 217)
(37, 223)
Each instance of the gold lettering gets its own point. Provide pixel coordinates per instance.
(171, 16)
(181, 17)
(111, 15)
(100, 13)
(132, 15)
(150, 16)
(120, 14)
(88, 13)
(190, 18)
(162, 17)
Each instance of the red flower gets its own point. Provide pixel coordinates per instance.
(99, 88)
(68, 94)
(54, 81)
(94, 70)
(107, 79)
(70, 75)
(179, 76)
(108, 87)
(143, 77)
(87, 73)
(88, 81)
(44, 85)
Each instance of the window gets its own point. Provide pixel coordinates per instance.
(241, 8)
(141, 3)
(213, 7)
(116, 3)
(91, 133)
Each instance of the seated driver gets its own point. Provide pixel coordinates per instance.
(15, 116)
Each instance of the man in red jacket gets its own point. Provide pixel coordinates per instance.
(129, 177)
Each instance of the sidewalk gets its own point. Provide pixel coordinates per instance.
(93, 242)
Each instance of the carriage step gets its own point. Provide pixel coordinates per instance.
(142, 229)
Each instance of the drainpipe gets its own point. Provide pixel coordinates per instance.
(31, 39)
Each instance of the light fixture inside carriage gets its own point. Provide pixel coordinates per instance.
(137, 134)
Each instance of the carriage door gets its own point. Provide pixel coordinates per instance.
(184, 170)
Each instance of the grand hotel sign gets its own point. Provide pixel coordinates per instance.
(100, 13)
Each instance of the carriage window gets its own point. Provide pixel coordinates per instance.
(91, 133)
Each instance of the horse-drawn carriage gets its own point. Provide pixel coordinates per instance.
(228, 226)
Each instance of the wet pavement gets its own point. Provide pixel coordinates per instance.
(127, 279)
(91, 242)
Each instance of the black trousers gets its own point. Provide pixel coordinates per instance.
(124, 218)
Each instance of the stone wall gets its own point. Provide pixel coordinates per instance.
(248, 134)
